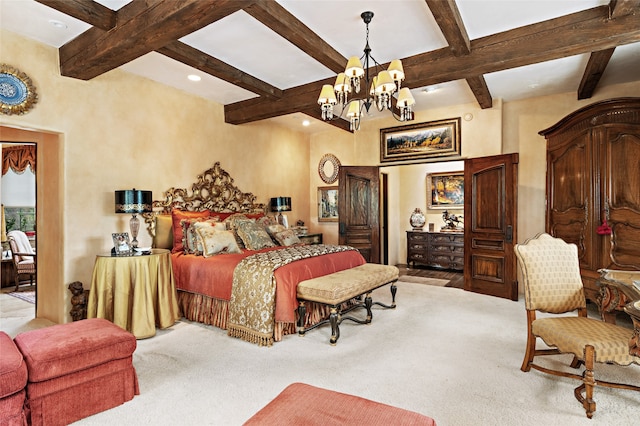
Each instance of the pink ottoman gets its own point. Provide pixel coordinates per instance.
(76, 370)
(13, 379)
(302, 404)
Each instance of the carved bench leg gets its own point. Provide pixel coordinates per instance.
(302, 311)
(335, 325)
(394, 290)
(367, 304)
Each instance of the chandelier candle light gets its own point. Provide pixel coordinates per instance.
(381, 88)
(133, 201)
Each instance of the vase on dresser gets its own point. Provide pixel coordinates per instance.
(417, 219)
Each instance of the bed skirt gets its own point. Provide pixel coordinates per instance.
(211, 311)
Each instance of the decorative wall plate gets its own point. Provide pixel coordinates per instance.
(328, 168)
(17, 93)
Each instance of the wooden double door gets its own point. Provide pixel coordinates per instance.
(490, 220)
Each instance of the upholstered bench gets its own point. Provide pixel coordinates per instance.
(337, 288)
(13, 380)
(76, 370)
(302, 404)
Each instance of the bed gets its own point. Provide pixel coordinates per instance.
(247, 288)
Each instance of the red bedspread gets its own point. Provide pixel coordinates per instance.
(213, 276)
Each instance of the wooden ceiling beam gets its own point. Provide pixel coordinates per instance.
(623, 7)
(598, 62)
(279, 20)
(448, 18)
(197, 59)
(87, 11)
(96, 51)
(480, 90)
(573, 34)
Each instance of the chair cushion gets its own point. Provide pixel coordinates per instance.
(13, 370)
(572, 334)
(62, 349)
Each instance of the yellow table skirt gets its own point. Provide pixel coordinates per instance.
(137, 293)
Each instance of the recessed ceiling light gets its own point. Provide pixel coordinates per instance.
(194, 77)
(306, 123)
(429, 89)
(58, 24)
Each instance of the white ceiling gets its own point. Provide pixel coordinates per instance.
(400, 28)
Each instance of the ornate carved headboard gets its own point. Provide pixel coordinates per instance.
(213, 190)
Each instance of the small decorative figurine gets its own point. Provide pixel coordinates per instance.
(79, 301)
(452, 222)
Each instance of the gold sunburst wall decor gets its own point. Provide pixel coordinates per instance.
(17, 92)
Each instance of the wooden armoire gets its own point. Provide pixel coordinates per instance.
(593, 186)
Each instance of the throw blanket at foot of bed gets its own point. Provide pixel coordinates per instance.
(252, 305)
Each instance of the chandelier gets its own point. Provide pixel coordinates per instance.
(381, 88)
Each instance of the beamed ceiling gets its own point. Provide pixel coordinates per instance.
(274, 56)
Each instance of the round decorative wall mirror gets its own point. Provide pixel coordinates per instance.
(328, 168)
(17, 93)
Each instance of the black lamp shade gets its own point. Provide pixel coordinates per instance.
(281, 204)
(133, 201)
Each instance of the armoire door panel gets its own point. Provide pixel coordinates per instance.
(567, 166)
(625, 246)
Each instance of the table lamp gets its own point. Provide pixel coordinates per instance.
(133, 201)
(281, 204)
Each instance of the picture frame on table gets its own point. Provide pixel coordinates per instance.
(445, 190)
(327, 204)
(121, 244)
(433, 140)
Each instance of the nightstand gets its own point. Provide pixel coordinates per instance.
(311, 238)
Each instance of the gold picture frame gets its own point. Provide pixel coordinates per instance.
(121, 244)
(433, 140)
(445, 190)
(327, 204)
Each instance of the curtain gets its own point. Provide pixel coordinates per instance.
(17, 158)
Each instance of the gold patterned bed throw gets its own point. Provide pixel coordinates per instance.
(253, 295)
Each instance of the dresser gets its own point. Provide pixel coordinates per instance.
(443, 250)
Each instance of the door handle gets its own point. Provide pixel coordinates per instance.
(509, 235)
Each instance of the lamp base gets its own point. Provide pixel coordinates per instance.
(134, 225)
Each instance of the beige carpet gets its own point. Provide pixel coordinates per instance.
(446, 353)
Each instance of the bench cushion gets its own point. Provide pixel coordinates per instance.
(13, 371)
(63, 349)
(343, 285)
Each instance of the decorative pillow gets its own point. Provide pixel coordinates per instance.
(265, 221)
(286, 237)
(176, 217)
(164, 235)
(192, 242)
(254, 236)
(232, 225)
(274, 229)
(217, 242)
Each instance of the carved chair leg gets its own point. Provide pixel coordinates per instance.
(531, 344)
(588, 383)
(302, 311)
(335, 328)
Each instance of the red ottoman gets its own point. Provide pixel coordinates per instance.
(301, 404)
(77, 369)
(13, 379)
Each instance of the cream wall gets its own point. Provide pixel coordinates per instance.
(120, 131)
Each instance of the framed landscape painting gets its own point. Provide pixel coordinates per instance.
(445, 190)
(434, 140)
(327, 204)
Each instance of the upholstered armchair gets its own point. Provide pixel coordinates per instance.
(552, 284)
(24, 257)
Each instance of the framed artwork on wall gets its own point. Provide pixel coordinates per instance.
(424, 141)
(327, 204)
(445, 190)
